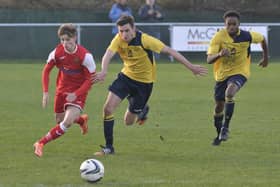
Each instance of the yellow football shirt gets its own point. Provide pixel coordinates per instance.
(239, 60)
(137, 56)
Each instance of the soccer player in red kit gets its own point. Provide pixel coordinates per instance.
(75, 65)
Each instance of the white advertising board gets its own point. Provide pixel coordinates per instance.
(197, 38)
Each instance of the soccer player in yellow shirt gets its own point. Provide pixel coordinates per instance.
(229, 52)
(135, 81)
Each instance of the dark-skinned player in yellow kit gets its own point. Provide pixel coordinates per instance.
(230, 54)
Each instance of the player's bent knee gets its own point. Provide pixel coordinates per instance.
(107, 110)
(230, 96)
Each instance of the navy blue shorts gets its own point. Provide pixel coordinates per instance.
(220, 87)
(136, 92)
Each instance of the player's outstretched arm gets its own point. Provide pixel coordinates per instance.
(100, 76)
(264, 61)
(196, 69)
(45, 83)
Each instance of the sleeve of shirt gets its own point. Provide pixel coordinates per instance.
(89, 69)
(46, 71)
(214, 46)
(89, 63)
(256, 37)
(114, 45)
(152, 43)
(51, 56)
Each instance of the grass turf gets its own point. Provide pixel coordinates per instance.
(173, 148)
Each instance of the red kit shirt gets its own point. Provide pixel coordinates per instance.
(74, 73)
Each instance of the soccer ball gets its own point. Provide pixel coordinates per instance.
(92, 170)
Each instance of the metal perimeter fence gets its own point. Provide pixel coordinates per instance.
(36, 40)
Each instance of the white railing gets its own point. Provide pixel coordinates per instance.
(168, 24)
(35, 49)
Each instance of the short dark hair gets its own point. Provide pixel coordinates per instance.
(231, 13)
(125, 19)
(68, 28)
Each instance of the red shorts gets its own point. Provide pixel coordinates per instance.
(60, 103)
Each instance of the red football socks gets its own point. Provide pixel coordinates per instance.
(52, 135)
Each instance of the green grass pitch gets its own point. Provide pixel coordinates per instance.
(172, 149)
